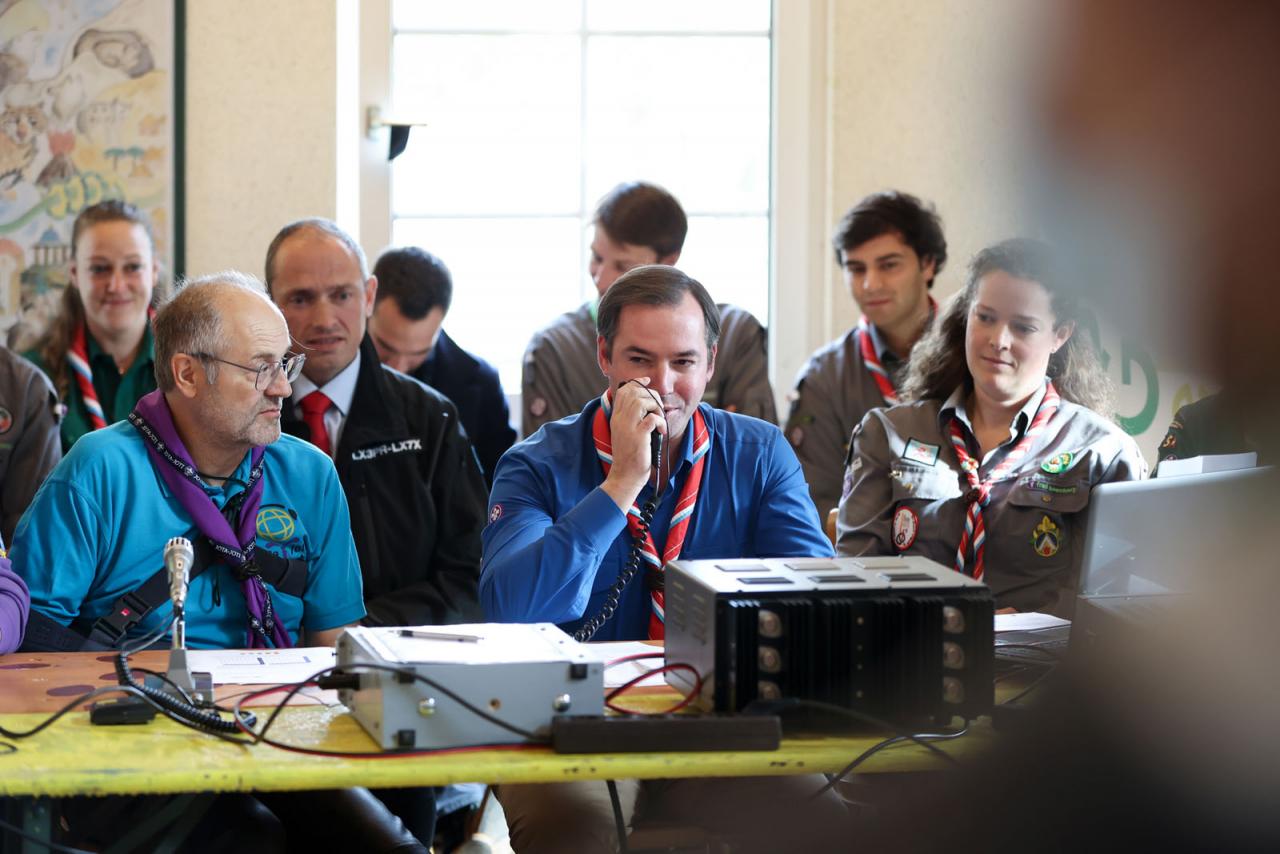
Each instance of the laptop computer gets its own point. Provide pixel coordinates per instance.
(1152, 537)
(1150, 544)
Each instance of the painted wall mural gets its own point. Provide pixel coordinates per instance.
(86, 114)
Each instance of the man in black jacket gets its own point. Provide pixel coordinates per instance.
(410, 475)
(416, 494)
(414, 292)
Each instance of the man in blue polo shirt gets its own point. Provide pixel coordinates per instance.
(558, 532)
(98, 527)
(203, 457)
(560, 528)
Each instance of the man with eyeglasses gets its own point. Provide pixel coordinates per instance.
(203, 457)
(198, 458)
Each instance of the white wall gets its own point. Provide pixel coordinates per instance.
(918, 102)
(261, 139)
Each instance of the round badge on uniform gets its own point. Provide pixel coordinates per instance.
(1059, 463)
(537, 406)
(495, 514)
(906, 524)
(6, 420)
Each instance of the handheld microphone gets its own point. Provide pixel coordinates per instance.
(178, 557)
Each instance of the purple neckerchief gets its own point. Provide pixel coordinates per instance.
(152, 418)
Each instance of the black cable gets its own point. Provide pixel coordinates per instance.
(1040, 680)
(49, 721)
(619, 824)
(199, 718)
(260, 736)
(611, 598)
(181, 709)
(131, 690)
(876, 748)
(52, 846)
(166, 680)
(779, 706)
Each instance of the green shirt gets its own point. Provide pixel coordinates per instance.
(116, 392)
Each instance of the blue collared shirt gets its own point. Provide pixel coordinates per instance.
(556, 542)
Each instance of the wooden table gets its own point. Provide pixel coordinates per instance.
(73, 757)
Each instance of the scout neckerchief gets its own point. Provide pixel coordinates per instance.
(680, 516)
(78, 360)
(172, 462)
(979, 494)
(871, 358)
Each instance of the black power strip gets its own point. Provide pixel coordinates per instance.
(664, 733)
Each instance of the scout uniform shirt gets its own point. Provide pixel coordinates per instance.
(905, 494)
(29, 443)
(562, 374)
(833, 392)
(117, 392)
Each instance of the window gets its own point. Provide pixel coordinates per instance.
(534, 111)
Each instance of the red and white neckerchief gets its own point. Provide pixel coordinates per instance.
(680, 517)
(78, 361)
(871, 358)
(979, 494)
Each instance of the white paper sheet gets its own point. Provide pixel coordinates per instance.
(1029, 622)
(620, 674)
(260, 666)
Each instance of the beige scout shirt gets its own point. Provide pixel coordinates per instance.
(833, 391)
(904, 493)
(561, 372)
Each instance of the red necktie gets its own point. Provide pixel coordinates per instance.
(314, 406)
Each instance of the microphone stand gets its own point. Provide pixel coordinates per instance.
(198, 687)
(179, 672)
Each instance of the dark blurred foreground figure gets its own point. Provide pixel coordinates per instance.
(1163, 741)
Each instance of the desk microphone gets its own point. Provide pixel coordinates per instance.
(178, 557)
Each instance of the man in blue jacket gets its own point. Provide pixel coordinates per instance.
(561, 524)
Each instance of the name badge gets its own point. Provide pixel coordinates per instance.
(920, 452)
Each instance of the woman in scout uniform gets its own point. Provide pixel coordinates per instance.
(98, 350)
(989, 470)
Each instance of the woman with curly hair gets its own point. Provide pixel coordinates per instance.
(989, 468)
(98, 350)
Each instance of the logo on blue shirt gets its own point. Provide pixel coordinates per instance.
(275, 523)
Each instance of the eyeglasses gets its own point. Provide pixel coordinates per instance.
(265, 375)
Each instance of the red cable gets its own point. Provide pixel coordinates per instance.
(666, 668)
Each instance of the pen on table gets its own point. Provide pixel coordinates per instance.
(446, 636)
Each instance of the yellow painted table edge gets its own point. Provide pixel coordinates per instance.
(75, 758)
